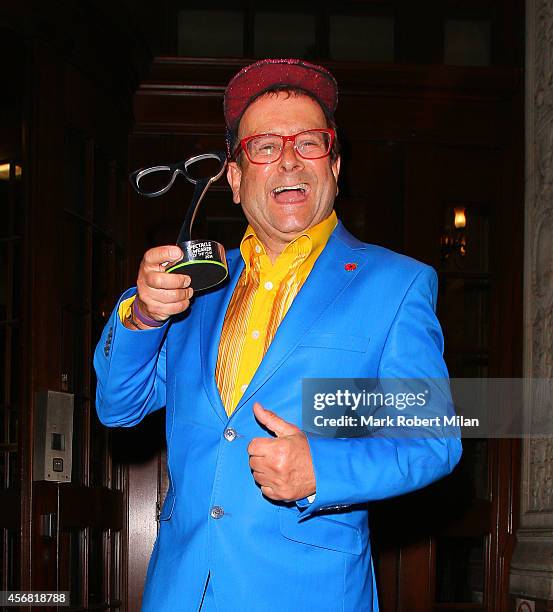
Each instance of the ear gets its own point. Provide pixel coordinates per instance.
(335, 166)
(234, 178)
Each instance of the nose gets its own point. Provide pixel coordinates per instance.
(290, 160)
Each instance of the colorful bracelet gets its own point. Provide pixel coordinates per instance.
(130, 319)
(143, 318)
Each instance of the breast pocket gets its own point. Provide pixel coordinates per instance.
(345, 342)
(321, 532)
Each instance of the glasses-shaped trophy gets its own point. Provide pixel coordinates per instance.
(204, 260)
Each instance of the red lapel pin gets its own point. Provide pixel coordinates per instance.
(349, 267)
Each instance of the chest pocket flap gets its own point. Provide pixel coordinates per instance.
(336, 341)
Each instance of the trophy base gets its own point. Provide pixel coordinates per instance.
(204, 261)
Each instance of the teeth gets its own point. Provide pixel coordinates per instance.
(299, 186)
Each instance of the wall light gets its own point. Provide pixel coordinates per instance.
(453, 241)
(5, 172)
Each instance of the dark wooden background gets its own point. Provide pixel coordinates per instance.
(84, 102)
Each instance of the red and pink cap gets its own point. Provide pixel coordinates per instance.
(256, 78)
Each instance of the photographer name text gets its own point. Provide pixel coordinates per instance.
(400, 420)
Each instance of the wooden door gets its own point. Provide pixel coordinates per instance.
(78, 225)
(62, 264)
(449, 546)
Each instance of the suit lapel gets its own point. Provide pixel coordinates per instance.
(212, 318)
(329, 277)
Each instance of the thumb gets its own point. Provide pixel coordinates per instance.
(273, 422)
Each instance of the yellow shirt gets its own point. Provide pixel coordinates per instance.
(261, 299)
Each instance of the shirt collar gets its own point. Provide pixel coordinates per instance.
(313, 239)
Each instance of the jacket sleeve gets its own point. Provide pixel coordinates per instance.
(392, 462)
(130, 370)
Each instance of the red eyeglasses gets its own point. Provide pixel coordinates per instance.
(267, 148)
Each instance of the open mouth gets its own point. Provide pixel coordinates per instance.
(290, 193)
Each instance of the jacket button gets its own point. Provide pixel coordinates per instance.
(216, 512)
(230, 434)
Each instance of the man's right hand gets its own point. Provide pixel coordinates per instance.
(161, 295)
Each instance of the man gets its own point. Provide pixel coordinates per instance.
(261, 516)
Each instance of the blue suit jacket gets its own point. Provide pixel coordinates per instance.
(374, 321)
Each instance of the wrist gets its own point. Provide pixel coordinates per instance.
(130, 323)
(142, 321)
